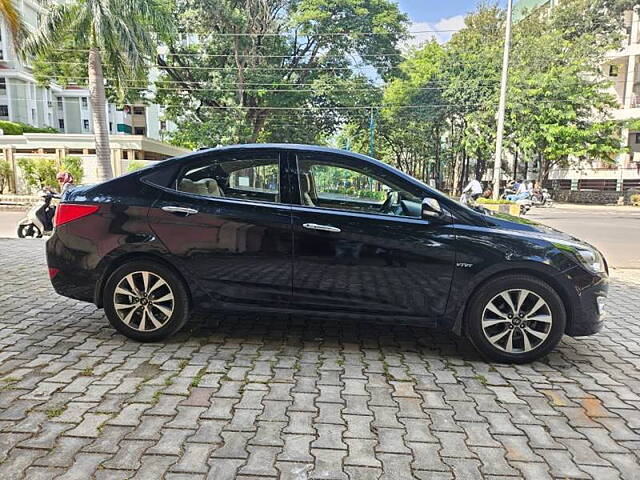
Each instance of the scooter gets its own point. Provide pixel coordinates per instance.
(39, 219)
(542, 198)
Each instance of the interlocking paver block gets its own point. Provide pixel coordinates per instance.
(291, 398)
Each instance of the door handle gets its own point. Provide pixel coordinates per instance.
(185, 210)
(322, 228)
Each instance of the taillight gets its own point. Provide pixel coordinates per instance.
(68, 212)
(53, 272)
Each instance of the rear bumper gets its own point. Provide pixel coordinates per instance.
(73, 279)
(588, 309)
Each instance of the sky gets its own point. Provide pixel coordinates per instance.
(437, 15)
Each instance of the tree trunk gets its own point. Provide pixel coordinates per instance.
(98, 111)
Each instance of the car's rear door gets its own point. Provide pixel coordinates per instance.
(224, 221)
(349, 257)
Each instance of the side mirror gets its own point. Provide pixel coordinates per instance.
(431, 209)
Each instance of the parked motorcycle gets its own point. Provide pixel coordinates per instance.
(39, 218)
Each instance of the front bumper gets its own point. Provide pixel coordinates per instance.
(588, 309)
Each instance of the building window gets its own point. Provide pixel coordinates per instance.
(33, 116)
(85, 102)
(4, 110)
(61, 123)
(138, 131)
(85, 124)
(614, 69)
(3, 85)
(1, 54)
(637, 137)
(163, 124)
(138, 110)
(111, 126)
(60, 104)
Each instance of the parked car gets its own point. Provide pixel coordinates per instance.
(321, 233)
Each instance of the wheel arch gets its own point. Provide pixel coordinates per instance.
(130, 257)
(459, 326)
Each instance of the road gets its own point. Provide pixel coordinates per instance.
(614, 230)
(9, 223)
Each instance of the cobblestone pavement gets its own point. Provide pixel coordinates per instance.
(295, 398)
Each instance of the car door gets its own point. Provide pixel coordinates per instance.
(350, 257)
(223, 220)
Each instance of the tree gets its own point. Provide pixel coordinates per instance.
(118, 32)
(11, 16)
(273, 70)
(558, 100)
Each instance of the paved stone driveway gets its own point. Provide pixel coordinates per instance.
(293, 398)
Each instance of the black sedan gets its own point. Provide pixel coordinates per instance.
(316, 231)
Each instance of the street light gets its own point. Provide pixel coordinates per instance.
(502, 105)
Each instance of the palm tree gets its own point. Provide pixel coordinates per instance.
(11, 17)
(120, 32)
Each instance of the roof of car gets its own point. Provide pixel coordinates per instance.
(282, 146)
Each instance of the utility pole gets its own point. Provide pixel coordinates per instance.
(502, 105)
(372, 133)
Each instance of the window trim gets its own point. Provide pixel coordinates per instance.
(211, 157)
(344, 162)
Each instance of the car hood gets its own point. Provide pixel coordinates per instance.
(529, 228)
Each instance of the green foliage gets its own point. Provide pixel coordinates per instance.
(17, 128)
(38, 172)
(229, 85)
(635, 199)
(73, 165)
(135, 165)
(126, 33)
(500, 201)
(5, 174)
(41, 172)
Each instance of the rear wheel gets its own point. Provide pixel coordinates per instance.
(29, 230)
(515, 319)
(146, 301)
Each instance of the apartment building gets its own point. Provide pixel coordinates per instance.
(66, 109)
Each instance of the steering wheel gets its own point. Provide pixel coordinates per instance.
(390, 202)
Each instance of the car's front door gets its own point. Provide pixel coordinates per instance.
(360, 245)
(225, 223)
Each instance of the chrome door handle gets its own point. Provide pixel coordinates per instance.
(322, 228)
(185, 210)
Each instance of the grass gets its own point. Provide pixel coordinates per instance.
(196, 380)
(54, 412)
(87, 372)
(481, 378)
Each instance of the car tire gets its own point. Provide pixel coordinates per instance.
(515, 319)
(146, 301)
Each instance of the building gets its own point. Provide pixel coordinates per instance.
(622, 69)
(67, 110)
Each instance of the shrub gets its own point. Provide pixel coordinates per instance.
(38, 172)
(73, 165)
(135, 165)
(500, 201)
(5, 174)
(42, 172)
(17, 128)
(635, 199)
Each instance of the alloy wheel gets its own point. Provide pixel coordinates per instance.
(143, 301)
(517, 321)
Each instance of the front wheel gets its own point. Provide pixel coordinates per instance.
(515, 319)
(146, 301)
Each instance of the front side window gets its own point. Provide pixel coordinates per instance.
(327, 182)
(247, 177)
